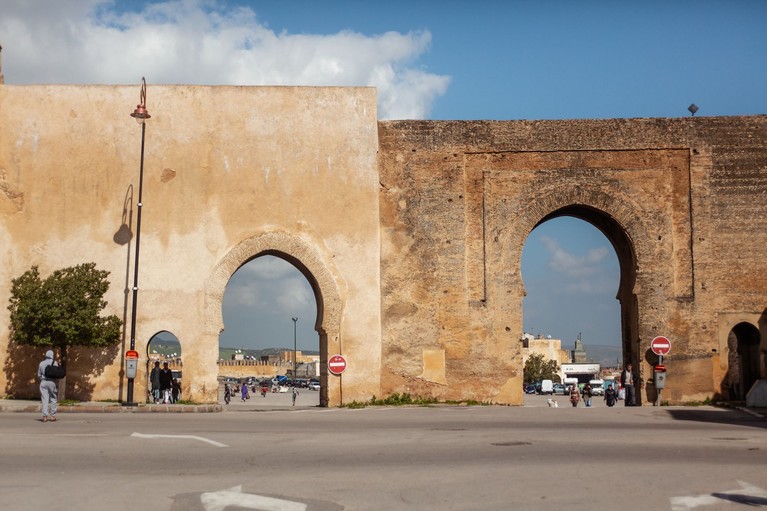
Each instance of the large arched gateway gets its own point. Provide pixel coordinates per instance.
(410, 232)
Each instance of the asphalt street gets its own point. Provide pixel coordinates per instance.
(442, 458)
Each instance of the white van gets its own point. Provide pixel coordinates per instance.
(547, 387)
(597, 387)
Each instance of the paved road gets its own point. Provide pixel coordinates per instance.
(442, 458)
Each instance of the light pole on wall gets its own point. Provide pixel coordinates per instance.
(295, 375)
(141, 115)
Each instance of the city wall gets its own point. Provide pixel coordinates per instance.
(409, 232)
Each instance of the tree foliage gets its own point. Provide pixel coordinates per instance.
(538, 368)
(63, 309)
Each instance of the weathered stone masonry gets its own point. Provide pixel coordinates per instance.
(409, 232)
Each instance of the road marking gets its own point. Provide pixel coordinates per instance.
(192, 437)
(746, 494)
(222, 499)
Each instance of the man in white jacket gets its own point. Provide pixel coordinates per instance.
(48, 388)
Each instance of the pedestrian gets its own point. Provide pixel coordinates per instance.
(166, 383)
(49, 390)
(587, 394)
(295, 395)
(574, 395)
(610, 396)
(245, 394)
(227, 393)
(175, 390)
(154, 379)
(628, 382)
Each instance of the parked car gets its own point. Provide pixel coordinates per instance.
(559, 388)
(529, 389)
(314, 385)
(547, 387)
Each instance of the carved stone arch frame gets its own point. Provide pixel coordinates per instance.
(616, 216)
(318, 271)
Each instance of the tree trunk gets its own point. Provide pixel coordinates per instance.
(62, 383)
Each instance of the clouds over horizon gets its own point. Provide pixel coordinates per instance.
(204, 42)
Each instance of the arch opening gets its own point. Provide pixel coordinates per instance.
(164, 347)
(586, 253)
(743, 360)
(272, 340)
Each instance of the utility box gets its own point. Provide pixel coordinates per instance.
(131, 364)
(660, 377)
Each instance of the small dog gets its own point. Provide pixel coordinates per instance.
(552, 403)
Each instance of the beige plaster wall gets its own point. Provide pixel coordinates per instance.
(223, 166)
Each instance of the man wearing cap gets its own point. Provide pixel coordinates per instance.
(48, 389)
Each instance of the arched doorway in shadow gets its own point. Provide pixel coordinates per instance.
(164, 347)
(579, 271)
(743, 359)
(270, 337)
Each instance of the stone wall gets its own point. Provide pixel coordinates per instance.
(410, 233)
(230, 173)
(682, 201)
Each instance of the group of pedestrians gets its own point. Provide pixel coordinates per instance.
(165, 388)
(245, 393)
(627, 391)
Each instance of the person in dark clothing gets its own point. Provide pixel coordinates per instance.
(628, 380)
(175, 390)
(610, 396)
(166, 383)
(154, 378)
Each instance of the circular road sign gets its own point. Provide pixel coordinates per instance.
(336, 364)
(660, 345)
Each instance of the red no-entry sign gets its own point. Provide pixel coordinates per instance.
(660, 345)
(336, 364)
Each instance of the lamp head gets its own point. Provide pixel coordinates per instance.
(140, 113)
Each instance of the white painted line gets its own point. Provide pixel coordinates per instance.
(742, 494)
(222, 499)
(187, 437)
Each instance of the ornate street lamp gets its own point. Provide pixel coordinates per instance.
(295, 375)
(141, 115)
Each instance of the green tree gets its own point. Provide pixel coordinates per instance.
(62, 310)
(538, 368)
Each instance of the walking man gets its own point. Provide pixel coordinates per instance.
(295, 395)
(628, 380)
(49, 389)
(154, 378)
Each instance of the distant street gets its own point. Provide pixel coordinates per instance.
(442, 458)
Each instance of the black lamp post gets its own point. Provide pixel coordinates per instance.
(141, 115)
(295, 375)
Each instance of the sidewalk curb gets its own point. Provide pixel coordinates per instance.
(112, 408)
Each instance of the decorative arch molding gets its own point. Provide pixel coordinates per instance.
(616, 216)
(296, 250)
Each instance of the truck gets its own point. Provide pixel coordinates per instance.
(547, 387)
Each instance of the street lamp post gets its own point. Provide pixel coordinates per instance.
(295, 375)
(141, 115)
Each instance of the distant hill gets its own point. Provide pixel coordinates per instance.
(226, 353)
(605, 356)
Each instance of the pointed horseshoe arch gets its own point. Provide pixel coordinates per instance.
(619, 220)
(317, 270)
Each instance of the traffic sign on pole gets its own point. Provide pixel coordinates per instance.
(336, 364)
(660, 345)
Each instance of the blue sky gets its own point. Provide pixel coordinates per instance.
(432, 60)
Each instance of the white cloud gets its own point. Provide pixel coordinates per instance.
(562, 261)
(205, 42)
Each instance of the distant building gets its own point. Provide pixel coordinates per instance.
(550, 349)
(578, 355)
